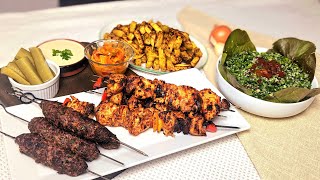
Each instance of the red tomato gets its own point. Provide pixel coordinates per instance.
(211, 128)
(220, 33)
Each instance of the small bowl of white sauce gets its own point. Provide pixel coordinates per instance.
(67, 53)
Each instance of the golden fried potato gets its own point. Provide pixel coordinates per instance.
(158, 46)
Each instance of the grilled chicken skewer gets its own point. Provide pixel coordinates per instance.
(46, 153)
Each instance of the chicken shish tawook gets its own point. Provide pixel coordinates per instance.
(138, 104)
(85, 108)
(158, 46)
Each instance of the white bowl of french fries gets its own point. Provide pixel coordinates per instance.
(31, 72)
(159, 48)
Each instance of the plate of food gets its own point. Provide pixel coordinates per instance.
(191, 123)
(281, 78)
(159, 48)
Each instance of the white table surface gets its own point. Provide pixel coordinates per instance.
(272, 17)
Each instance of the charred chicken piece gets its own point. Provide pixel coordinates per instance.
(85, 108)
(116, 98)
(115, 83)
(133, 81)
(196, 125)
(225, 104)
(105, 113)
(182, 98)
(145, 89)
(140, 120)
(170, 122)
(159, 92)
(210, 104)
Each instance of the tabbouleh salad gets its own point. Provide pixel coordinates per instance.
(265, 73)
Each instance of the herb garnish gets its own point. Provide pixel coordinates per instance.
(65, 54)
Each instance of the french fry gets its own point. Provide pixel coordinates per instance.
(156, 65)
(150, 57)
(138, 62)
(153, 39)
(139, 39)
(118, 33)
(159, 39)
(147, 28)
(132, 26)
(177, 43)
(144, 59)
(194, 61)
(155, 27)
(170, 66)
(162, 59)
(142, 30)
(130, 36)
(158, 46)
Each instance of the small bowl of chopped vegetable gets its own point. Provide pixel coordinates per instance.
(109, 56)
(273, 83)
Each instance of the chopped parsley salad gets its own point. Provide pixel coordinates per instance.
(265, 73)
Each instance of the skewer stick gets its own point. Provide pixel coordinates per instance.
(33, 100)
(28, 122)
(228, 110)
(133, 148)
(7, 135)
(13, 114)
(231, 127)
(87, 169)
(112, 159)
(93, 92)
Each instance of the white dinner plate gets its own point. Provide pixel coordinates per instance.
(203, 60)
(156, 145)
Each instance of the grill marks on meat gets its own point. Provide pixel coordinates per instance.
(72, 121)
(85, 108)
(210, 104)
(139, 104)
(63, 139)
(49, 155)
(182, 98)
(115, 83)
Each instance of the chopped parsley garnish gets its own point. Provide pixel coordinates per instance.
(64, 54)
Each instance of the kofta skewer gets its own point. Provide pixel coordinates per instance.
(72, 121)
(42, 151)
(85, 149)
(98, 133)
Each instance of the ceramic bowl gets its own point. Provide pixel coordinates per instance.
(45, 90)
(257, 106)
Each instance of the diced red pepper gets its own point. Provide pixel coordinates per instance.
(66, 101)
(98, 83)
(211, 128)
(104, 96)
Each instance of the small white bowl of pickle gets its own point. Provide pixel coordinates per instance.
(31, 72)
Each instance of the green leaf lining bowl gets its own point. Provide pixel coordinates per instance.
(261, 107)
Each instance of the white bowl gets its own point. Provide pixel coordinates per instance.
(257, 106)
(45, 90)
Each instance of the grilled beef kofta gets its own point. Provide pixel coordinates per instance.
(72, 121)
(44, 152)
(85, 149)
